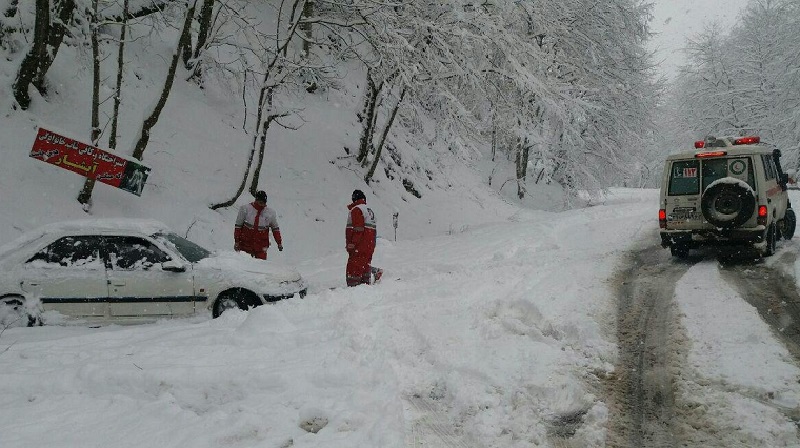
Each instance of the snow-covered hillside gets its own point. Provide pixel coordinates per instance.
(198, 152)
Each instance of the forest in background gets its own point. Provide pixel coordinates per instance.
(565, 92)
(741, 78)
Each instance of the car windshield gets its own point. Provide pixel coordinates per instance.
(189, 250)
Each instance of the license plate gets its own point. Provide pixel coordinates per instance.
(683, 214)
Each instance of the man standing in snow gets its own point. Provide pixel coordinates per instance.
(251, 232)
(360, 235)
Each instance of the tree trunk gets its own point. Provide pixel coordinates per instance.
(308, 12)
(517, 161)
(368, 125)
(186, 53)
(152, 119)
(206, 14)
(239, 190)
(28, 70)
(262, 145)
(523, 152)
(378, 151)
(494, 141)
(64, 10)
(205, 19)
(265, 92)
(560, 160)
(376, 106)
(112, 139)
(85, 195)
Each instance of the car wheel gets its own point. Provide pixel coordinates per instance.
(233, 299)
(679, 251)
(728, 205)
(771, 237)
(13, 313)
(788, 224)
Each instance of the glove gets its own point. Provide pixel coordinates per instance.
(280, 247)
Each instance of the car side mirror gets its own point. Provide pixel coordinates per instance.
(173, 266)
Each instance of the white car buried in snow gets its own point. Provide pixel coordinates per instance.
(130, 270)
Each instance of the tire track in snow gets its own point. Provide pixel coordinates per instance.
(429, 427)
(642, 400)
(774, 294)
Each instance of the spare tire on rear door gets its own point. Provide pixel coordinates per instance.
(728, 203)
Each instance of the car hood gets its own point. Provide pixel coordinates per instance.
(241, 263)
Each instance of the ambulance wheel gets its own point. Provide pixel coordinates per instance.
(788, 224)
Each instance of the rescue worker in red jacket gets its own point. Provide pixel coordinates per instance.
(251, 232)
(360, 235)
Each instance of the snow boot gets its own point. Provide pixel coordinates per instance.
(377, 273)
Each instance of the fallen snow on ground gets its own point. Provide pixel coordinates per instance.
(737, 374)
(485, 338)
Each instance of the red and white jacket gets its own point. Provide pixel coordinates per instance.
(251, 232)
(361, 229)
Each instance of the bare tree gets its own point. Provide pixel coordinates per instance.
(29, 69)
(387, 127)
(112, 138)
(521, 162)
(368, 117)
(271, 117)
(277, 70)
(64, 10)
(47, 39)
(151, 120)
(203, 34)
(306, 26)
(85, 196)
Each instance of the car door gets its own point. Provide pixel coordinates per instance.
(69, 276)
(139, 287)
(777, 197)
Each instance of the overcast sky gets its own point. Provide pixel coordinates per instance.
(676, 20)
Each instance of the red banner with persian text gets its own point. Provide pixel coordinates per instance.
(89, 161)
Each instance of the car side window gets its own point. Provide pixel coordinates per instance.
(133, 253)
(769, 167)
(70, 251)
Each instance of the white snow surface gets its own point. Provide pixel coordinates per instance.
(736, 368)
(477, 339)
(491, 322)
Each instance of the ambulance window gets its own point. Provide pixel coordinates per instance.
(714, 169)
(739, 168)
(684, 178)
